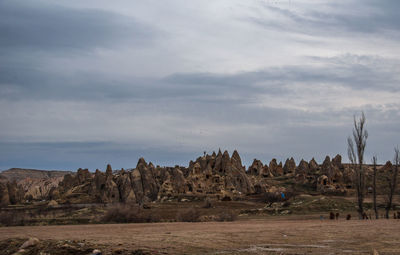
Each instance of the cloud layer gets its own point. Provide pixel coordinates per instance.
(85, 83)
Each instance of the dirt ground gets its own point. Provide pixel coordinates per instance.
(269, 236)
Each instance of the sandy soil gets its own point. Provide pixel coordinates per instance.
(271, 236)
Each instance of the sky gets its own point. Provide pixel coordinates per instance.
(87, 83)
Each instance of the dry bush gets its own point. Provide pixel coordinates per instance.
(12, 218)
(272, 197)
(228, 215)
(207, 203)
(123, 213)
(188, 215)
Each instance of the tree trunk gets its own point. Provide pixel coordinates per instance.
(393, 183)
(392, 186)
(360, 192)
(374, 188)
(374, 194)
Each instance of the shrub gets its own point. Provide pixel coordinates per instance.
(188, 215)
(207, 203)
(123, 213)
(12, 218)
(226, 216)
(272, 197)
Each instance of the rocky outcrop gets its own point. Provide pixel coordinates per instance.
(302, 171)
(274, 168)
(39, 189)
(148, 180)
(108, 191)
(11, 193)
(289, 167)
(388, 166)
(125, 187)
(83, 175)
(19, 174)
(259, 169)
(4, 198)
(256, 168)
(313, 166)
(218, 175)
(333, 169)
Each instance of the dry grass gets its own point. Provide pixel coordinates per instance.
(188, 215)
(125, 213)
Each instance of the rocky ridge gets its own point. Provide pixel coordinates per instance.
(218, 175)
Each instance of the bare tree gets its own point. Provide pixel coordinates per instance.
(392, 182)
(360, 136)
(374, 160)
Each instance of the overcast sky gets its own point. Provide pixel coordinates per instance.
(86, 83)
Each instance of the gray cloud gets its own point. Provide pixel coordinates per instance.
(74, 155)
(354, 72)
(340, 18)
(83, 87)
(35, 25)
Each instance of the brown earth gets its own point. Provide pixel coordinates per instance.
(282, 235)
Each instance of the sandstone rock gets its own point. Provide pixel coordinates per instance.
(96, 252)
(256, 168)
(20, 252)
(68, 182)
(52, 203)
(226, 164)
(39, 189)
(265, 172)
(217, 176)
(149, 184)
(175, 184)
(274, 168)
(386, 168)
(218, 163)
(260, 186)
(125, 188)
(83, 175)
(4, 197)
(302, 171)
(333, 169)
(290, 166)
(326, 166)
(337, 161)
(303, 168)
(313, 165)
(236, 161)
(33, 241)
(15, 193)
(103, 188)
(108, 170)
(323, 180)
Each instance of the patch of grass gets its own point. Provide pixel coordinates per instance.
(188, 215)
(12, 218)
(227, 215)
(207, 203)
(123, 213)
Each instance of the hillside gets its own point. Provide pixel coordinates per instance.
(18, 174)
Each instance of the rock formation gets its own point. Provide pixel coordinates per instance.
(290, 166)
(218, 175)
(275, 169)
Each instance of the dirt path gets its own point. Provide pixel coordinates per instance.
(241, 237)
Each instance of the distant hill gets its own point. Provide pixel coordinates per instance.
(18, 174)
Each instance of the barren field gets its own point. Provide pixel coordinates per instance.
(287, 235)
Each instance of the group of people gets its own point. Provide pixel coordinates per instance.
(335, 216)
